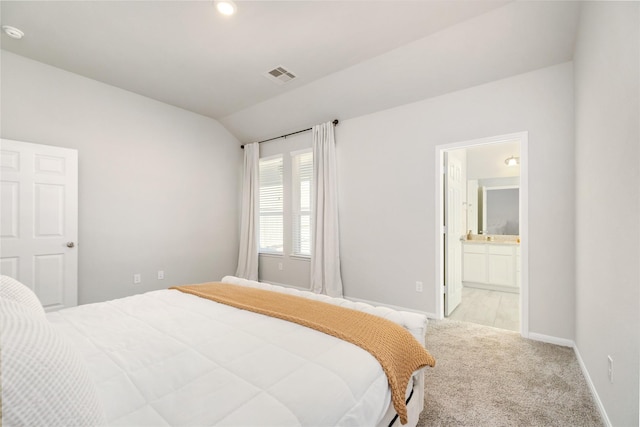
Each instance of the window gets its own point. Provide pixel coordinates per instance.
(285, 203)
(301, 176)
(271, 205)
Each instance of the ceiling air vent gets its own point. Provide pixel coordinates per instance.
(280, 75)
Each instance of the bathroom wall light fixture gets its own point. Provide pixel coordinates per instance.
(512, 161)
(226, 7)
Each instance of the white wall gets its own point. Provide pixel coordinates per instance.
(386, 190)
(607, 125)
(158, 184)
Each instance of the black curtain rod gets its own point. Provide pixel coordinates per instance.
(335, 123)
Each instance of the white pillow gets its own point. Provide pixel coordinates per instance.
(44, 382)
(13, 290)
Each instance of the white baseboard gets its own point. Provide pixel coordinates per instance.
(592, 387)
(551, 340)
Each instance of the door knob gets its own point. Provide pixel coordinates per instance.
(70, 244)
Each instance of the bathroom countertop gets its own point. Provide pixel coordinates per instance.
(493, 239)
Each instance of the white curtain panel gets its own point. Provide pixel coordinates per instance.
(325, 253)
(248, 254)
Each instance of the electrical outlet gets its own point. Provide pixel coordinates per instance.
(280, 266)
(160, 275)
(418, 286)
(137, 278)
(610, 364)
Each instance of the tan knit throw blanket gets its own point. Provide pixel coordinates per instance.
(398, 352)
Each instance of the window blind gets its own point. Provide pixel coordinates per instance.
(302, 175)
(271, 205)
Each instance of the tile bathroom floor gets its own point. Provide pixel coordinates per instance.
(490, 308)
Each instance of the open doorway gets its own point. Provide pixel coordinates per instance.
(481, 211)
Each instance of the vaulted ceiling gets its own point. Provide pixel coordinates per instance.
(350, 57)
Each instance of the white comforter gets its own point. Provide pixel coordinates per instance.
(169, 358)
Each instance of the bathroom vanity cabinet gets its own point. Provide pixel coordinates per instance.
(491, 265)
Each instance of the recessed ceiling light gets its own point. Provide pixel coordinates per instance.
(12, 32)
(226, 7)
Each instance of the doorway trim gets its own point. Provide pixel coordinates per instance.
(523, 138)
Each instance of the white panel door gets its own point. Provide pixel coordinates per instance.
(454, 190)
(39, 220)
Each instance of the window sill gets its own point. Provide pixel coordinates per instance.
(271, 254)
(291, 256)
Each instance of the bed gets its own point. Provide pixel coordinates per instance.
(171, 358)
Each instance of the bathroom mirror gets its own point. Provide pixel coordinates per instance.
(498, 206)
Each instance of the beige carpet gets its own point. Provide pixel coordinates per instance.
(492, 377)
